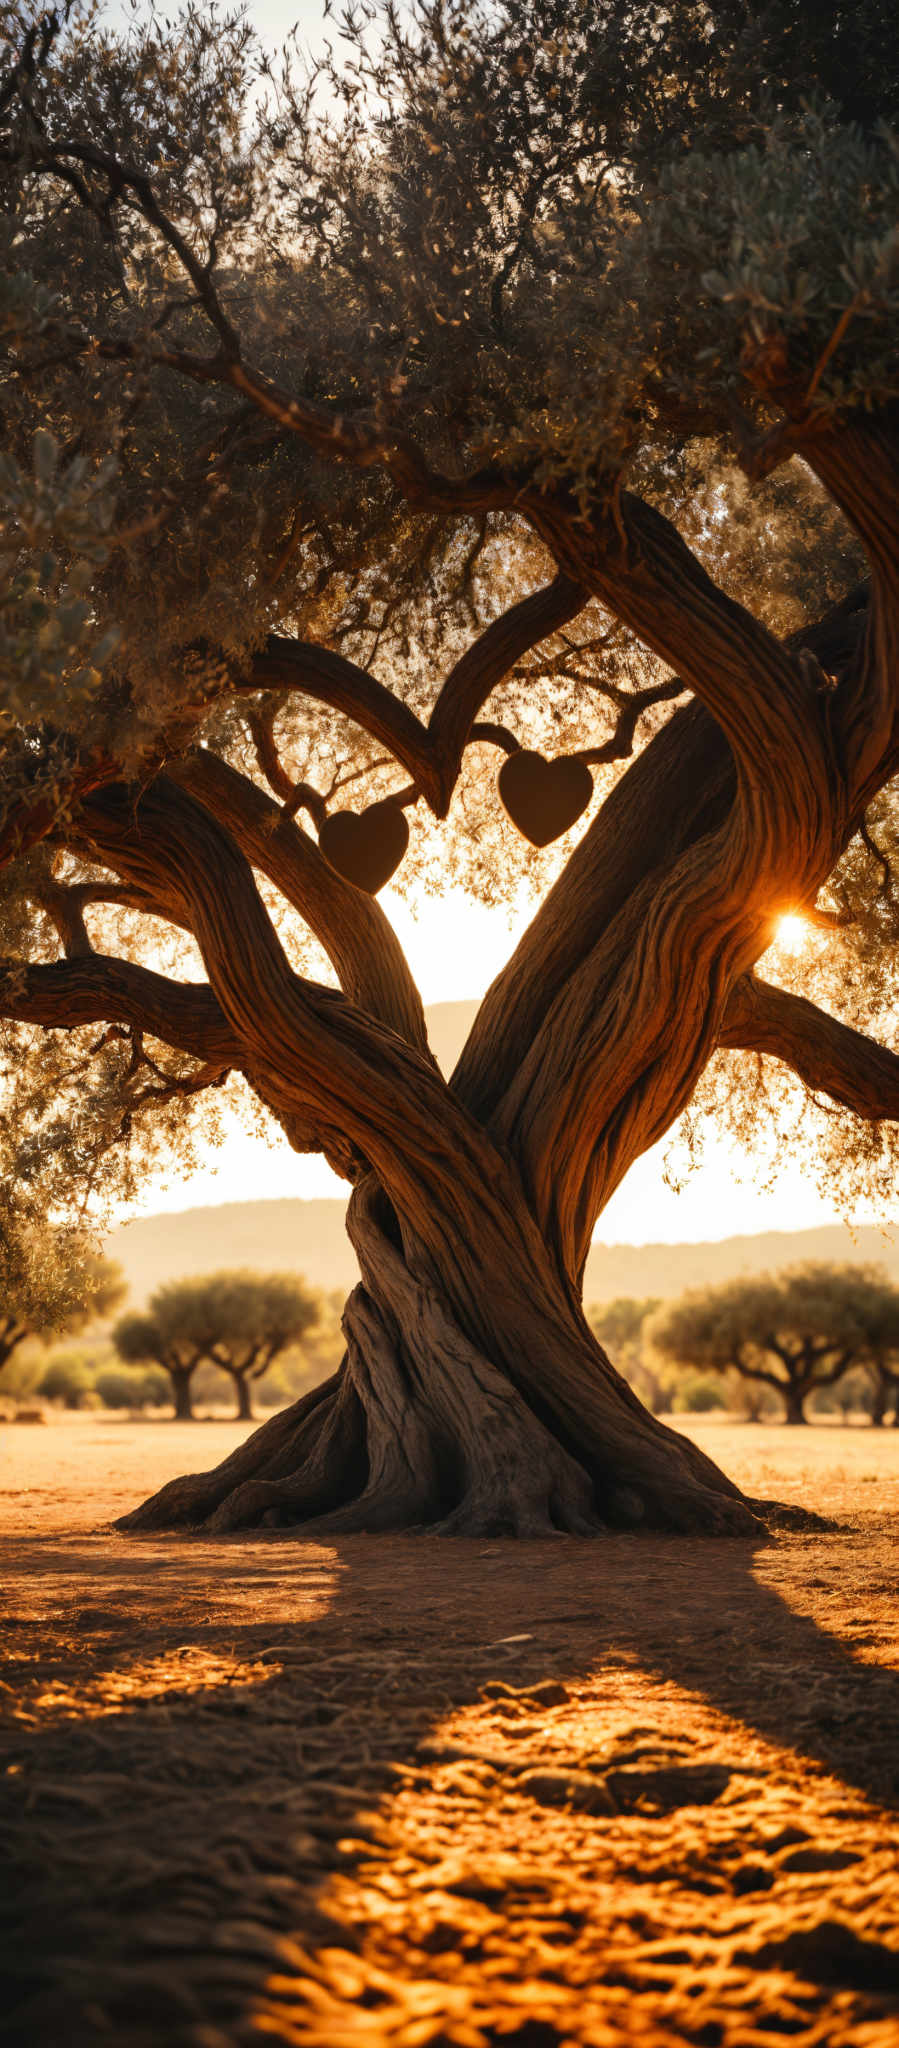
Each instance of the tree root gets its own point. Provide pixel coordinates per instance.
(782, 1514)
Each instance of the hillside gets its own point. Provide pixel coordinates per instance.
(309, 1237)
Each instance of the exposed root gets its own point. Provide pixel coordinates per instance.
(273, 1449)
(781, 1514)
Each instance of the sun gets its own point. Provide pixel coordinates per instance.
(791, 934)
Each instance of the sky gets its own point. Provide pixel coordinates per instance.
(455, 949)
(454, 952)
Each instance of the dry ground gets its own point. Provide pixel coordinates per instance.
(422, 1793)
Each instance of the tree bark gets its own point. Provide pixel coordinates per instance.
(11, 1336)
(794, 1402)
(880, 1397)
(244, 1402)
(181, 1379)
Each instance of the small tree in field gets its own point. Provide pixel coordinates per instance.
(882, 1357)
(480, 462)
(252, 1318)
(799, 1330)
(158, 1338)
(52, 1282)
(237, 1321)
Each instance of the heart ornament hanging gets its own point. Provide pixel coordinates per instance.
(366, 847)
(544, 798)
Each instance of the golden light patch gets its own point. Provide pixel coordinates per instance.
(187, 1670)
(792, 933)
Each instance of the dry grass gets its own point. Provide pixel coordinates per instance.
(416, 1793)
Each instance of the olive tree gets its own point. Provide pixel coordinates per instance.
(798, 1330)
(523, 391)
(237, 1321)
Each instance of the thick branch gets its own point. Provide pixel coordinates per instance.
(354, 931)
(678, 789)
(830, 1057)
(634, 560)
(98, 989)
(433, 753)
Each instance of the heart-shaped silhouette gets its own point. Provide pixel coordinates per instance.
(544, 798)
(366, 847)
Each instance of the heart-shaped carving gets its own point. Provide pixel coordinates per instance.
(366, 847)
(544, 798)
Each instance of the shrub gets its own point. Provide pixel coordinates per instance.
(698, 1393)
(66, 1380)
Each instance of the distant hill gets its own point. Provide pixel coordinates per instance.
(309, 1237)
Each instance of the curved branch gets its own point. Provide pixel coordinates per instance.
(678, 789)
(354, 931)
(98, 989)
(637, 563)
(432, 753)
(830, 1057)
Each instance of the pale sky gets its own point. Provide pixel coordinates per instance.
(455, 949)
(454, 952)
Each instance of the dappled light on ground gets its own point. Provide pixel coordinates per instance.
(438, 1794)
(186, 1670)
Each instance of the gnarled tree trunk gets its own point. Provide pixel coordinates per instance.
(473, 1398)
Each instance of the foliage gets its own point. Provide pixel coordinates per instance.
(66, 1379)
(620, 1326)
(699, 1393)
(237, 1321)
(121, 1387)
(494, 236)
(51, 1279)
(796, 1331)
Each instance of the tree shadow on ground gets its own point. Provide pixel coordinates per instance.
(210, 1731)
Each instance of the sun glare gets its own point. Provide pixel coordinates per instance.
(792, 933)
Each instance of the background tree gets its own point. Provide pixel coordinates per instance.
(882, 1355)
(796, 1331)
(165, 1335)
(249, 1320)
(885, 1393)
(52, 1281)
(533, 375)
(239, 1322)
(619, 1325)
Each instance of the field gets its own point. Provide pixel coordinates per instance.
(439, 1794)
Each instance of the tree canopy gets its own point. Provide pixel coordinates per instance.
(794, 1331)
(237, 1321)
(518, 386)
(52, 1282)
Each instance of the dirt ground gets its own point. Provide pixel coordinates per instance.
(440, 1794)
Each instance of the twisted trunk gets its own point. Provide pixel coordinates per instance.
(472, 1398)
